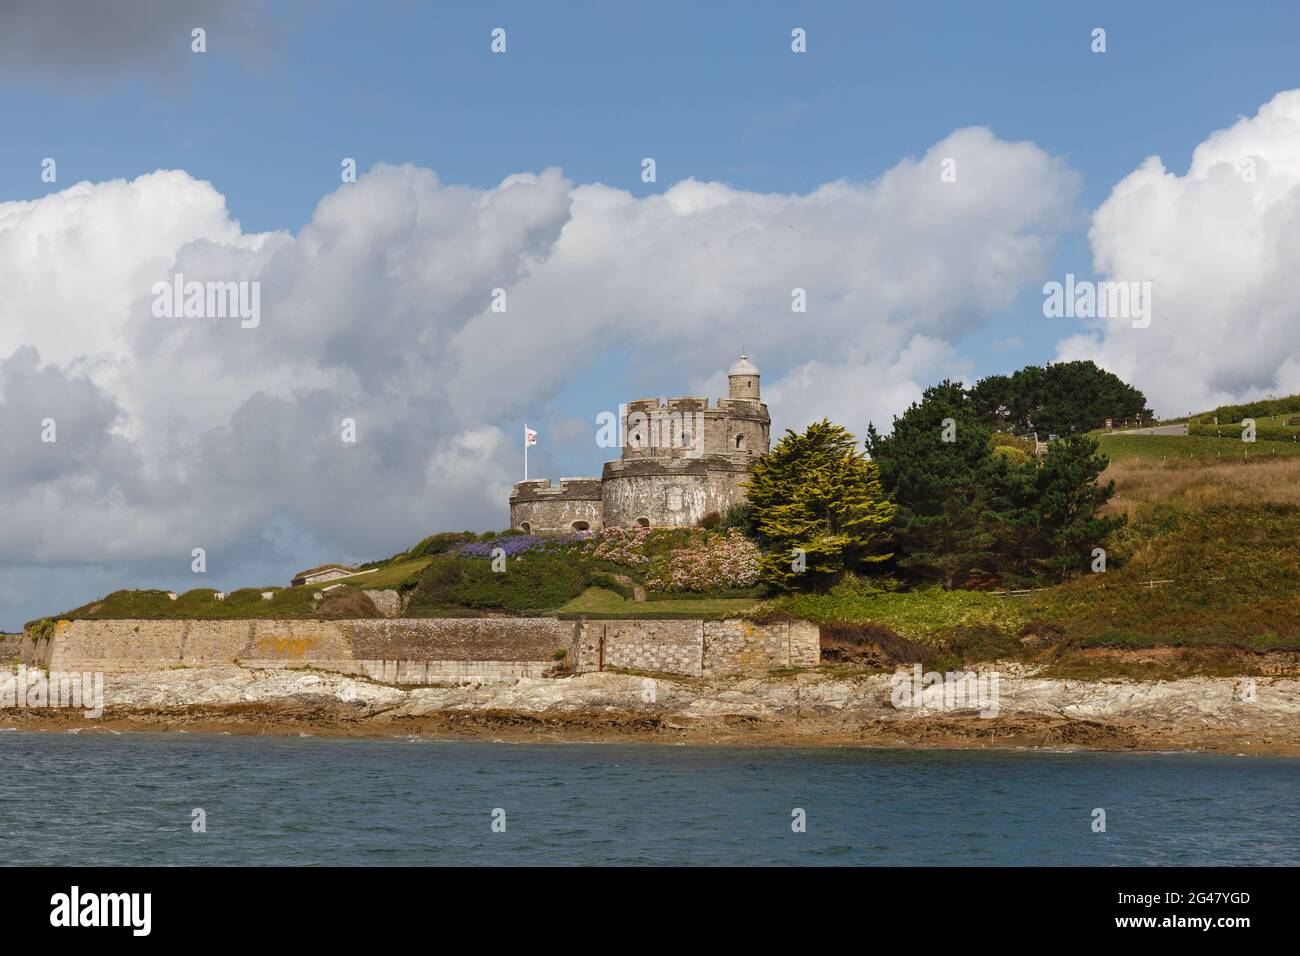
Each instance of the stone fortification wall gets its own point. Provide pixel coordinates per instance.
(431, 650)
(540, 507)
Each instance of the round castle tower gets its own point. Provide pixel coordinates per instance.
(742, 380)
(681, 460)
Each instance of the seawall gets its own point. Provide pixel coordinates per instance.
(431, 650)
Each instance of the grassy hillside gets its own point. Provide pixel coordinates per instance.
(1203, 449)
(452, 574)
(1209, 561)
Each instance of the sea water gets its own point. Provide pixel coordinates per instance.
(211, 799)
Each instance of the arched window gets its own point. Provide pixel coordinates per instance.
(525, 527)
(740, 442)
(643, 522)
(580, 526)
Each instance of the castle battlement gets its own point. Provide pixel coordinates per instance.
(567, 488)
(681, 460)
(643, 467)
(691, 403)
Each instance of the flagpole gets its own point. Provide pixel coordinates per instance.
(525, 451)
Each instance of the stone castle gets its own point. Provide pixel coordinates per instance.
(681, 460)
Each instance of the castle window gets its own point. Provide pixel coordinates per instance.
(643, 522)
(580, 526)
(740, 442)
(525, 527)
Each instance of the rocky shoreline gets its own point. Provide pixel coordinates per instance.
(1235, 715)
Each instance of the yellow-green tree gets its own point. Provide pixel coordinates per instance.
(818, 509)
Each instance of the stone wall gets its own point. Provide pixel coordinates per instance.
(667, 647)
(11, 648)
(403, 650)
(689, 428)
(670, 492)
(742, 647)
(696, 648)
(431, 650)
(538, 506)
(386, 601)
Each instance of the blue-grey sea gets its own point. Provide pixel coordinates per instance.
(97, 799)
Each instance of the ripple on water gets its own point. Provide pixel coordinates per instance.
(128, 799)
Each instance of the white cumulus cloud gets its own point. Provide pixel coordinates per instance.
(1220, 245)
(175, 433)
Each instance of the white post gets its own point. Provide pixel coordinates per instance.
(525, 451)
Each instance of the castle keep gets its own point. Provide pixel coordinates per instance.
(681, 460)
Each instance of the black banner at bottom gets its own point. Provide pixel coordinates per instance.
(339, 905)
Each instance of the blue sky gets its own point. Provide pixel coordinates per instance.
(712, 92)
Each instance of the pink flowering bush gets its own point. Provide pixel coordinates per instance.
(625, 546)
(709, 562)
(679, 559)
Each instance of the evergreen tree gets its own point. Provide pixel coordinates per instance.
(938, 466)
(967, 515)
(1067, 510)
(815, 493)
(1060, 398)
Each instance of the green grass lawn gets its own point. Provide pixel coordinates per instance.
(387, 576)
(1194, 447)
(1274, 421)
(923, 615)
(602, 602)
(198, 603)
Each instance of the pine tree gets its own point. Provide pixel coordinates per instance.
(938, 466)
(968, 516)
(1059, 398)
(1067, 511)
(818, 501)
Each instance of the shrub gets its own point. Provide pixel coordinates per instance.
(602, 579)
(1262, 408)
(346, 604)
(436, 582)
(624, 546)
(519, 543)
(535, 580)
(439, 543)
(741, 517)
(711, 562)
(39, 629)
(1011, 454)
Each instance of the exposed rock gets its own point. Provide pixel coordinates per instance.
(387, 602)
(810, 707)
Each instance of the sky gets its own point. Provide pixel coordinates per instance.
(919, 170)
